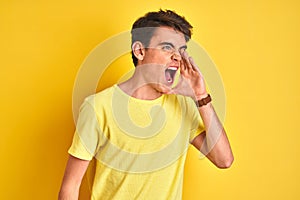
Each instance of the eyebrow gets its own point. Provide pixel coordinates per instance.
(168, 43)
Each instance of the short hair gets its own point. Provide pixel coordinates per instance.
(144, 27)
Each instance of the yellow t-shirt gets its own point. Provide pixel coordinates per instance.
(139, 146)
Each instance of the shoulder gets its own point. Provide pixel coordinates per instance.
(101, 97)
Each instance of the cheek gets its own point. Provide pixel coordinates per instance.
(162, 58)
(157, 56)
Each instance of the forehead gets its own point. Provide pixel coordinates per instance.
(167, 34)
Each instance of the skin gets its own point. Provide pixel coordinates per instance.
(166, 48)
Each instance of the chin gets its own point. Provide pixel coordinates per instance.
(163, 88)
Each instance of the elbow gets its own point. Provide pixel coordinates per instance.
(226, 163)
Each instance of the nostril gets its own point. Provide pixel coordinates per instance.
(176, 57)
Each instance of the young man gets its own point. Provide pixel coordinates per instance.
(139, 131)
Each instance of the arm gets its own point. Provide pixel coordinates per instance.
(213, 143)
(74, 172)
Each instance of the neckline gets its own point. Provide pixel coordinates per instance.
(159, 99)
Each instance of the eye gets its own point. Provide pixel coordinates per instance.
(182, 50)
(167, 48)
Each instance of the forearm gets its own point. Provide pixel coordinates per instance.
(215, 144)
(68, 193)
(69, 188)
(74, 173)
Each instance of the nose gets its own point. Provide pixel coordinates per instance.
(176, 56)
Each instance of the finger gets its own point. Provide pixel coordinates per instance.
(186, 61)
(193, 64)
(195, 67)
(182, 66)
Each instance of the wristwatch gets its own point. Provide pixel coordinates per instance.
(203, 101)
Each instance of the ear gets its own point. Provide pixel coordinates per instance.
(138, 50)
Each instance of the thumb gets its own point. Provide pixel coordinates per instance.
(176, 89)
(171, 92)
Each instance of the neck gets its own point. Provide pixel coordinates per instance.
(138, 88)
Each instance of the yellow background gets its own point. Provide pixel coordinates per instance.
(255, 45)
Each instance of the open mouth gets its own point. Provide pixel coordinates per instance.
(170, 74)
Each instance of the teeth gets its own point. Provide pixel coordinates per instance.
(170, 73)
(173, 68)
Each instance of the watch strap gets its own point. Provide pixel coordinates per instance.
(203, 101)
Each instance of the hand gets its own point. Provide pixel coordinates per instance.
(191, 82)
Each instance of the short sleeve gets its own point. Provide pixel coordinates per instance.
(197, 125)
(86, 137)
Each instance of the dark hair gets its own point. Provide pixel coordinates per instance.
(143, 28)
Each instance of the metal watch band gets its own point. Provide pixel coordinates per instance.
(203, 101)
